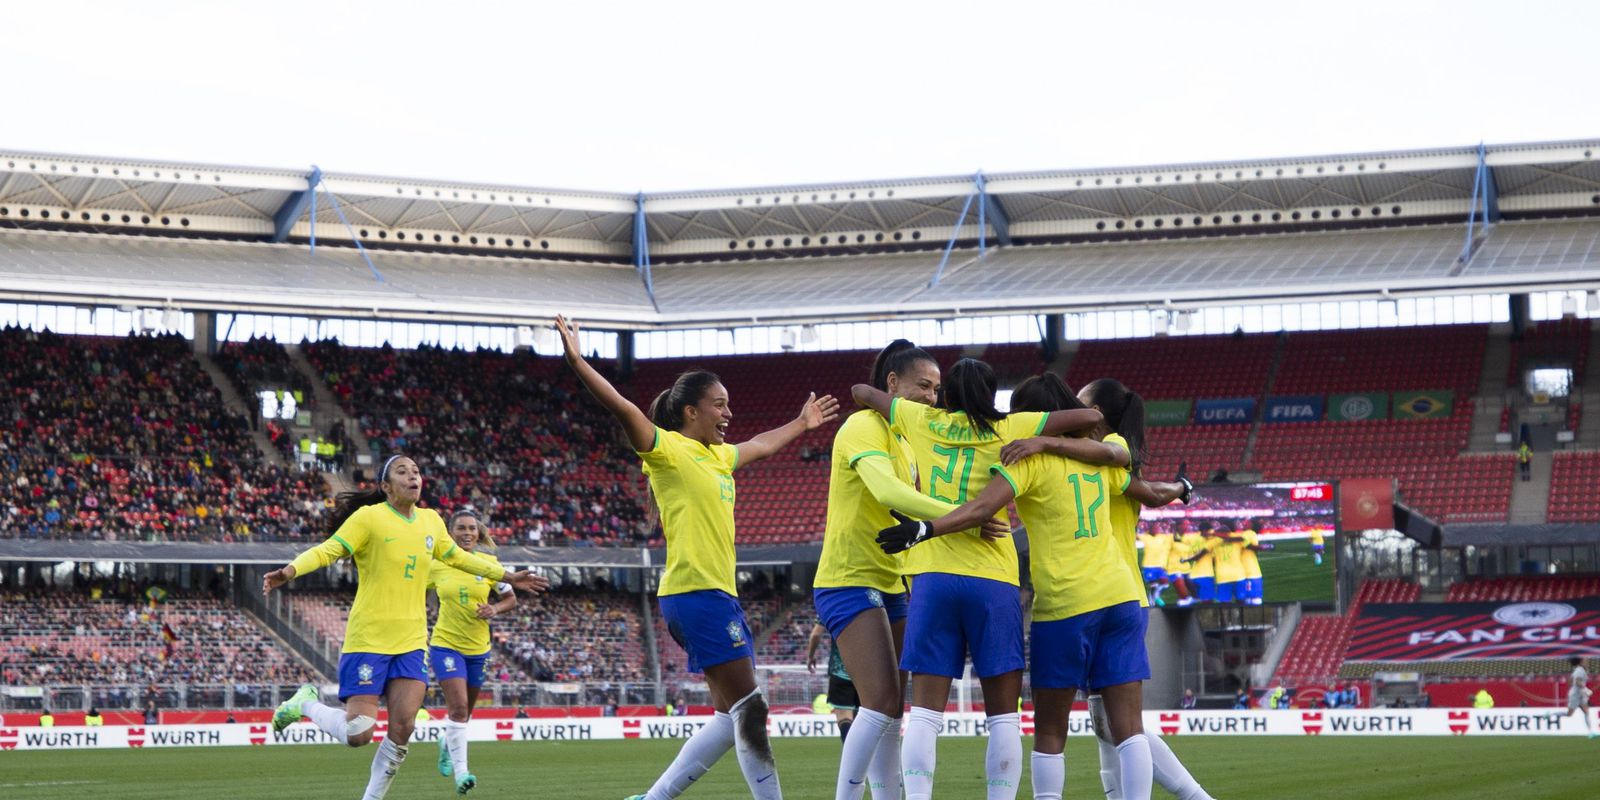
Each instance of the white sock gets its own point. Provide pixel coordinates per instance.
(883, 774)
(751, 746)
(1171, 773)
(1049, 775)
(1587, 725)
(1110, 765)
(920, 752)
(703, 749)
(385, 763)
(1134, 753)
(329, 720)
(860, 745)
(1002, 763)
(455, 739)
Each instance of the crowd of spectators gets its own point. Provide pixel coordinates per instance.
(261, 364)
(510, 434)
(124, 644)
(578, 635)
(127, 438)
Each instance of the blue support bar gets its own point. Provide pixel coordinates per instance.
(1491, 189)
(994, 213)
(951, 245)
(641, 246)
(295, 205)
(1483, 186)
(334, 201)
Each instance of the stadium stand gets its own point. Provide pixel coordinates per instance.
(1314, 654)
(1524, 589)
(1181, 367)
(510, 434)
(120, 645)
(126, 438)
(1573, 484)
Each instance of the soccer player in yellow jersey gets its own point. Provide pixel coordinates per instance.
(690, 465)
(1228, 562)
(1316, 546)
(858, 592)
(1156, 547)
(965, 596)
(1123, 431)
(1202, 567)
(1178, 566)
(1249, 538)
(394, 544)
(459, 650)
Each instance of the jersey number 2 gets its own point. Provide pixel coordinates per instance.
(1077, 494)
(947, 472)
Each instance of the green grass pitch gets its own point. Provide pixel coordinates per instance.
(1334, 768)
(1289, 574)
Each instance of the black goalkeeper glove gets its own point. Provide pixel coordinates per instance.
(903, 536)
(1183, 478)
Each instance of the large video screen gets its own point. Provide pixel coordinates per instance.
(1294, 525)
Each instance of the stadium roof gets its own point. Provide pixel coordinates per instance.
(90, 230)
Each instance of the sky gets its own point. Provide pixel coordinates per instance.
(623, 96)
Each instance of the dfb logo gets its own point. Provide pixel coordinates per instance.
(258, 734)
(1169, 724)
(1459, 721)
(1312, 722)
(502, 731)
(630, 728)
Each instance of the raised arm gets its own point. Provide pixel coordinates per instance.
(867, 396)
(309, 561)
(817, 411)
(1088, 451)
(640, 430)
(1069, 420)
(896, 494)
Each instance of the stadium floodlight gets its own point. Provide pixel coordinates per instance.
(788, 339)
(171, 319)
(524, 336)
(1594, 302)
(1158, 321)
(1569, 306)
(149, 319)
(808, 334)
(1185, 321)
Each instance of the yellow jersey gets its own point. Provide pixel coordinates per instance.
(1195, 543)
(1177, 551)
(393, 556)
(459, 627)
(1125, 517)
(1075, 557)
(1157, 549)
(693, 485)
(850, 552)
(1227, 561)
(953, 459)
(1252, 564)
(1316, 536)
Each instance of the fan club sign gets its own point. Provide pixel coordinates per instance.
(1358, 722)
(1451, 631)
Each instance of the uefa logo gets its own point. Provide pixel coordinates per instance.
(1529, 614)
(1356, 408)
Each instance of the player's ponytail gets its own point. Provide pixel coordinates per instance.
(970, 389)
(666, 411)
(1124, 412)
(896, 358)
(348, 503)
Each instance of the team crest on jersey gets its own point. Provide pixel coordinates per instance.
(449, 663)
(875, 597)
(479, 577)
(429, 542)
(365, 673)
(736, 633)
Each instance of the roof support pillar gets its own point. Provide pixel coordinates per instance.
(294, 205)
(641, 247)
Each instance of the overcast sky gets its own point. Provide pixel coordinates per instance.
(674, 95)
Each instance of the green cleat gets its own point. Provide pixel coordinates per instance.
(465, 783)
(288, 712)
(445, 767)
(634, 797)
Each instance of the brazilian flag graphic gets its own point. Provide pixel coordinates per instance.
(1424, 405)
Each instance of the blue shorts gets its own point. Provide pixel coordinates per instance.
(1230, 592)
(1155, 574)
(1205, 589)
(448, 663)
(1251, 589)
(952, 615)
(1316, 548)
(709, 625)
(1091, 651)
(369, 673)
(837, 607)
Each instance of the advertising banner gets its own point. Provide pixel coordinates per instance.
(1259, 722)
(1164, 413)
(1454, 631)
(1423, 405)
(1295, 408)
(1356, 407)
(1225, 411)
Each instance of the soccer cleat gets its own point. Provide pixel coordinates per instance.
(465, 783)
(634, 797)
(288, 712)
(445, 767)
